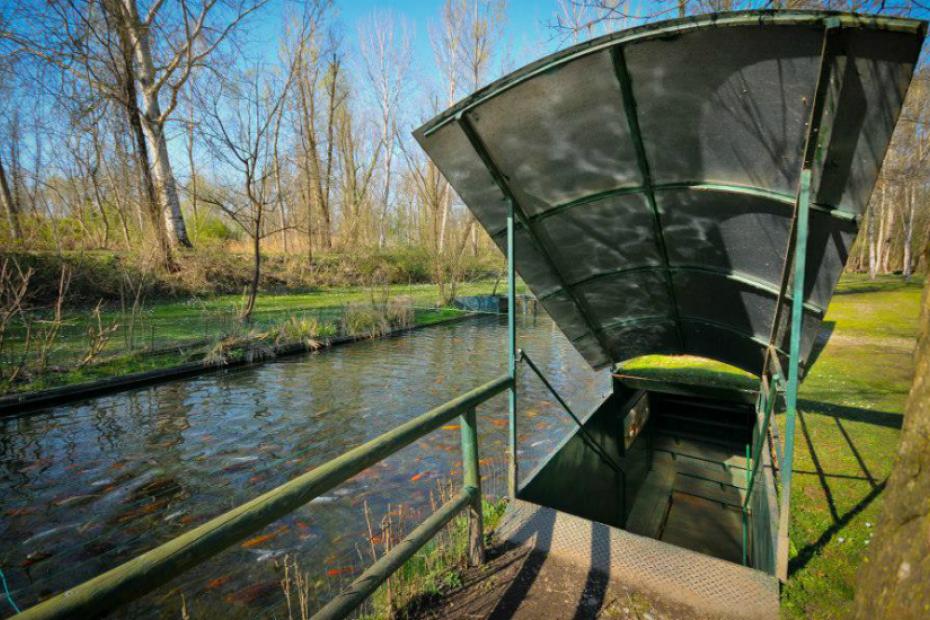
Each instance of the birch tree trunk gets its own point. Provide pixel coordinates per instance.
(909, 230)
(873, 253)
(153, 124)
(9, 205)
(893, 580)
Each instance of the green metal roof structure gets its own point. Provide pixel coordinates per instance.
(655, 174)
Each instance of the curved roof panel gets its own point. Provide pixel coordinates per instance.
(654, 172)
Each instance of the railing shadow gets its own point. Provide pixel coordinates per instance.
(540, 527)
(595, 586)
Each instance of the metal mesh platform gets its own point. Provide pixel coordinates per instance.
(708, 585)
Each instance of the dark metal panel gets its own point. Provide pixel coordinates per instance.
(656, 335)
(669, 30)
(720, 343)
(610, 234)
(716, 112)
(630, 295)
(561, 309)
(726, 109)
(450, 150)
(749, 234)
(560, 136)
(712, 297)
(873, 87)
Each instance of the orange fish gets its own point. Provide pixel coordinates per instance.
(19, 512)
(345, 570)
(258, 540)
(213, 584)
(451, 427)
(416, 477)
(499, 423)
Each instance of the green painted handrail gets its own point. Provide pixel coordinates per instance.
(154, 568)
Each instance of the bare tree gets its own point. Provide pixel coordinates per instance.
(240, 130)
(385, 47)
(187, 40)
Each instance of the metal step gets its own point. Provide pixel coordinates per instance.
(710, 586)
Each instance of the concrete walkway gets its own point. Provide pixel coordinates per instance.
(560, 566)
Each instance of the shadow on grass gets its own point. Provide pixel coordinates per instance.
(807, 553)
(853, 414)
(839, 521)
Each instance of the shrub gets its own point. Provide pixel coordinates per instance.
(365, 321)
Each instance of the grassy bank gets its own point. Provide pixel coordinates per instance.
(241, 343)
(218, 270)
(851, 407)
(433, 571)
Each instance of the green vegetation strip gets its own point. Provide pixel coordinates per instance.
(115, 376)
(146, 572)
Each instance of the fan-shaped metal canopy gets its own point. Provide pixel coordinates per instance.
(655, 174)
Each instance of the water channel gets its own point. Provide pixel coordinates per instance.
(87, 486)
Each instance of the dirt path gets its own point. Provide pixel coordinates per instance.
(516, 583)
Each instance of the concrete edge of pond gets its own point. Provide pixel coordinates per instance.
(29, 402)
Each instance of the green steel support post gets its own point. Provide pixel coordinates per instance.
(824, 102)
(745, 510)
(791, 391)
(472, 479)
(511, 354)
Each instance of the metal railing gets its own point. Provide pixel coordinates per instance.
(586, 436)
(144, 573)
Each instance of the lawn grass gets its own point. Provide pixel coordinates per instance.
(851, 407)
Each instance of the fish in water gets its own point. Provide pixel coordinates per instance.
(345, 570)
(499, 423)
(37, 466)
(76, 499)
(259, 540)
(102, 482)
(174, 515)
(213, 584)
(34, 558)
(50, 532)
(244, 459)
(451, 427)
(323, 499)
(141, 511)
(416, 477)
(254, 593)
(21, 511)
(538, 443)
(267, 554)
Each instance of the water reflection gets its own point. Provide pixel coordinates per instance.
(87, 486)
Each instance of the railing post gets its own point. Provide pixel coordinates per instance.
(791, 390)
(511, 354)
(472, 474)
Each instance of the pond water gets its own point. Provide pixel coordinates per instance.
(87, 486)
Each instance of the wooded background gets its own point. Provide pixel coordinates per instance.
(153, 132)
